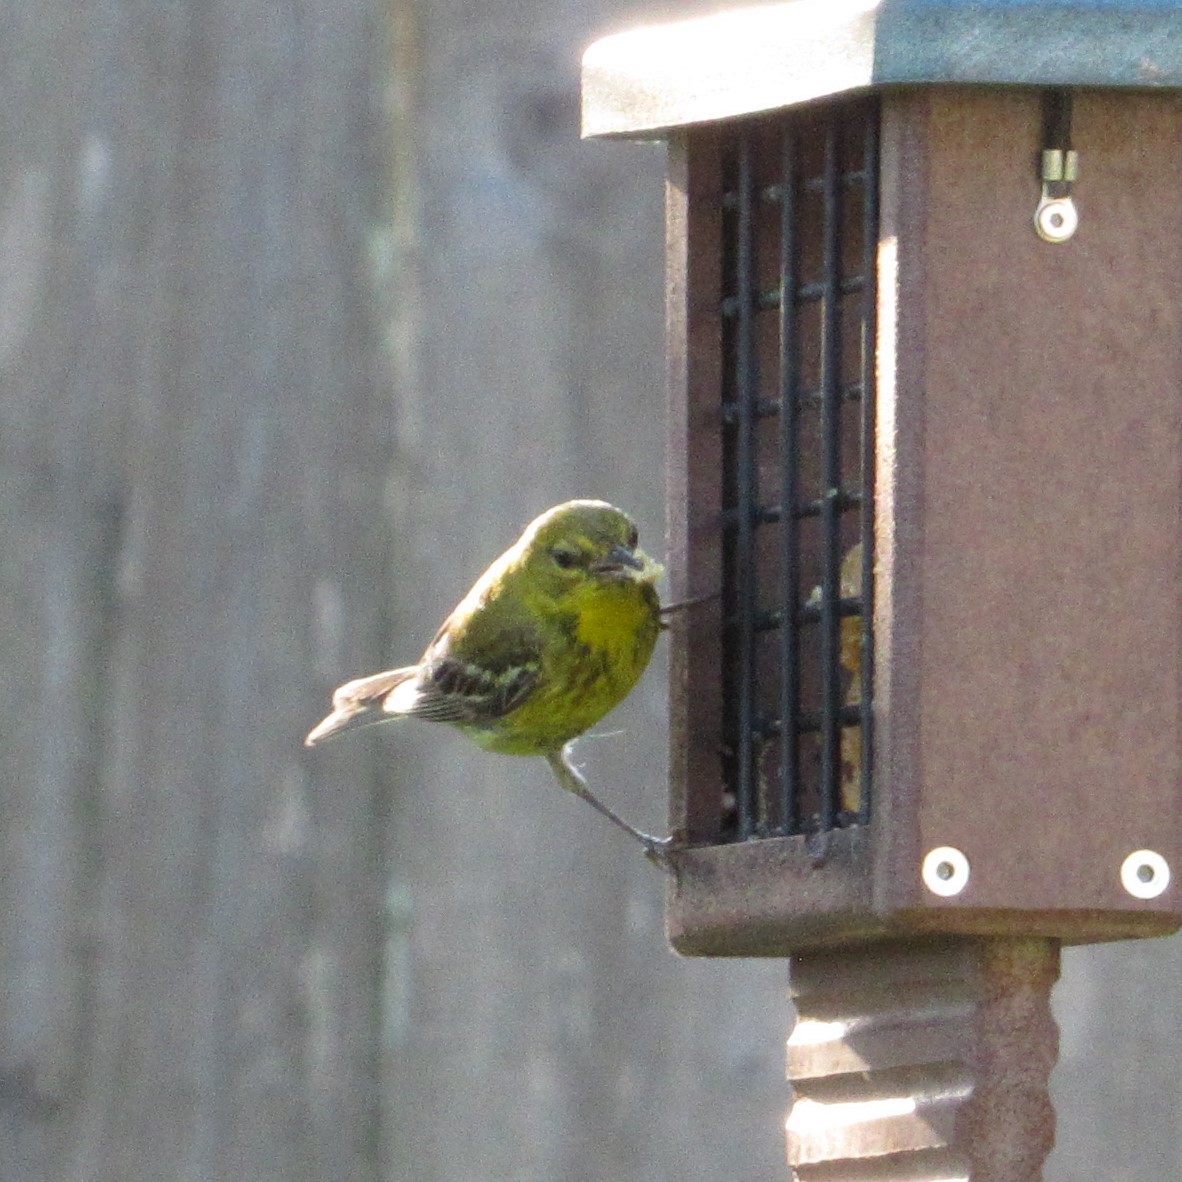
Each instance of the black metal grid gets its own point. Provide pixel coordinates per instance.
(799, 230)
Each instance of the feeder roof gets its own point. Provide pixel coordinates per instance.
(650, 80)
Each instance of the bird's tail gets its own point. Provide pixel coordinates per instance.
(360, 703)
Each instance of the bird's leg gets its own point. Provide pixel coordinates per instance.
(656, 849)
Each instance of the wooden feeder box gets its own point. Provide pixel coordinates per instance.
(924, 304)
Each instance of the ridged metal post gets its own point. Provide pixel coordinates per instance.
(923, 1062)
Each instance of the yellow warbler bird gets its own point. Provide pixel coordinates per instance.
(552, 636)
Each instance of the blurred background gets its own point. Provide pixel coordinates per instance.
(306, 307)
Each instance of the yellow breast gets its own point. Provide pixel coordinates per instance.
(613, 624)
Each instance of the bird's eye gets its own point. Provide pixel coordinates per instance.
(564, 558)
(633, 538)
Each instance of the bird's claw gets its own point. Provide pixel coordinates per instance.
(660, 851)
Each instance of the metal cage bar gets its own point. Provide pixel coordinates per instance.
(800, 223)
(831, 484)
(789, 411)
(746, 397)
(868, 322)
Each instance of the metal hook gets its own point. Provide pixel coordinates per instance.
(1056, 218)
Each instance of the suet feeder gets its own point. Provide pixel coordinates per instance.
(925, 285)
(924, 292)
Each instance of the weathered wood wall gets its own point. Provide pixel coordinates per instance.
(304, 308)
(194, 430)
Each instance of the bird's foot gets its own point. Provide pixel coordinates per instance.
(658, 850)
(661, 851)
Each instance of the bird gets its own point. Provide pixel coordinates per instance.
(552, 636)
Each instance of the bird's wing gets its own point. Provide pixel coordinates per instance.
(449, 689)
(477, 668)
(443, 688)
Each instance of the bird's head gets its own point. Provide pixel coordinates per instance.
(582, 543)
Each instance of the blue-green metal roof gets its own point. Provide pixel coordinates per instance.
(746, 60)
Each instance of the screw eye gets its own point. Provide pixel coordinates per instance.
(945, 871)
(1145, 874)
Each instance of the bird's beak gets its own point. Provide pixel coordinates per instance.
(621, 561)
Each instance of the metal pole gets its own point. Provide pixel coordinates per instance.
(923, 1061)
